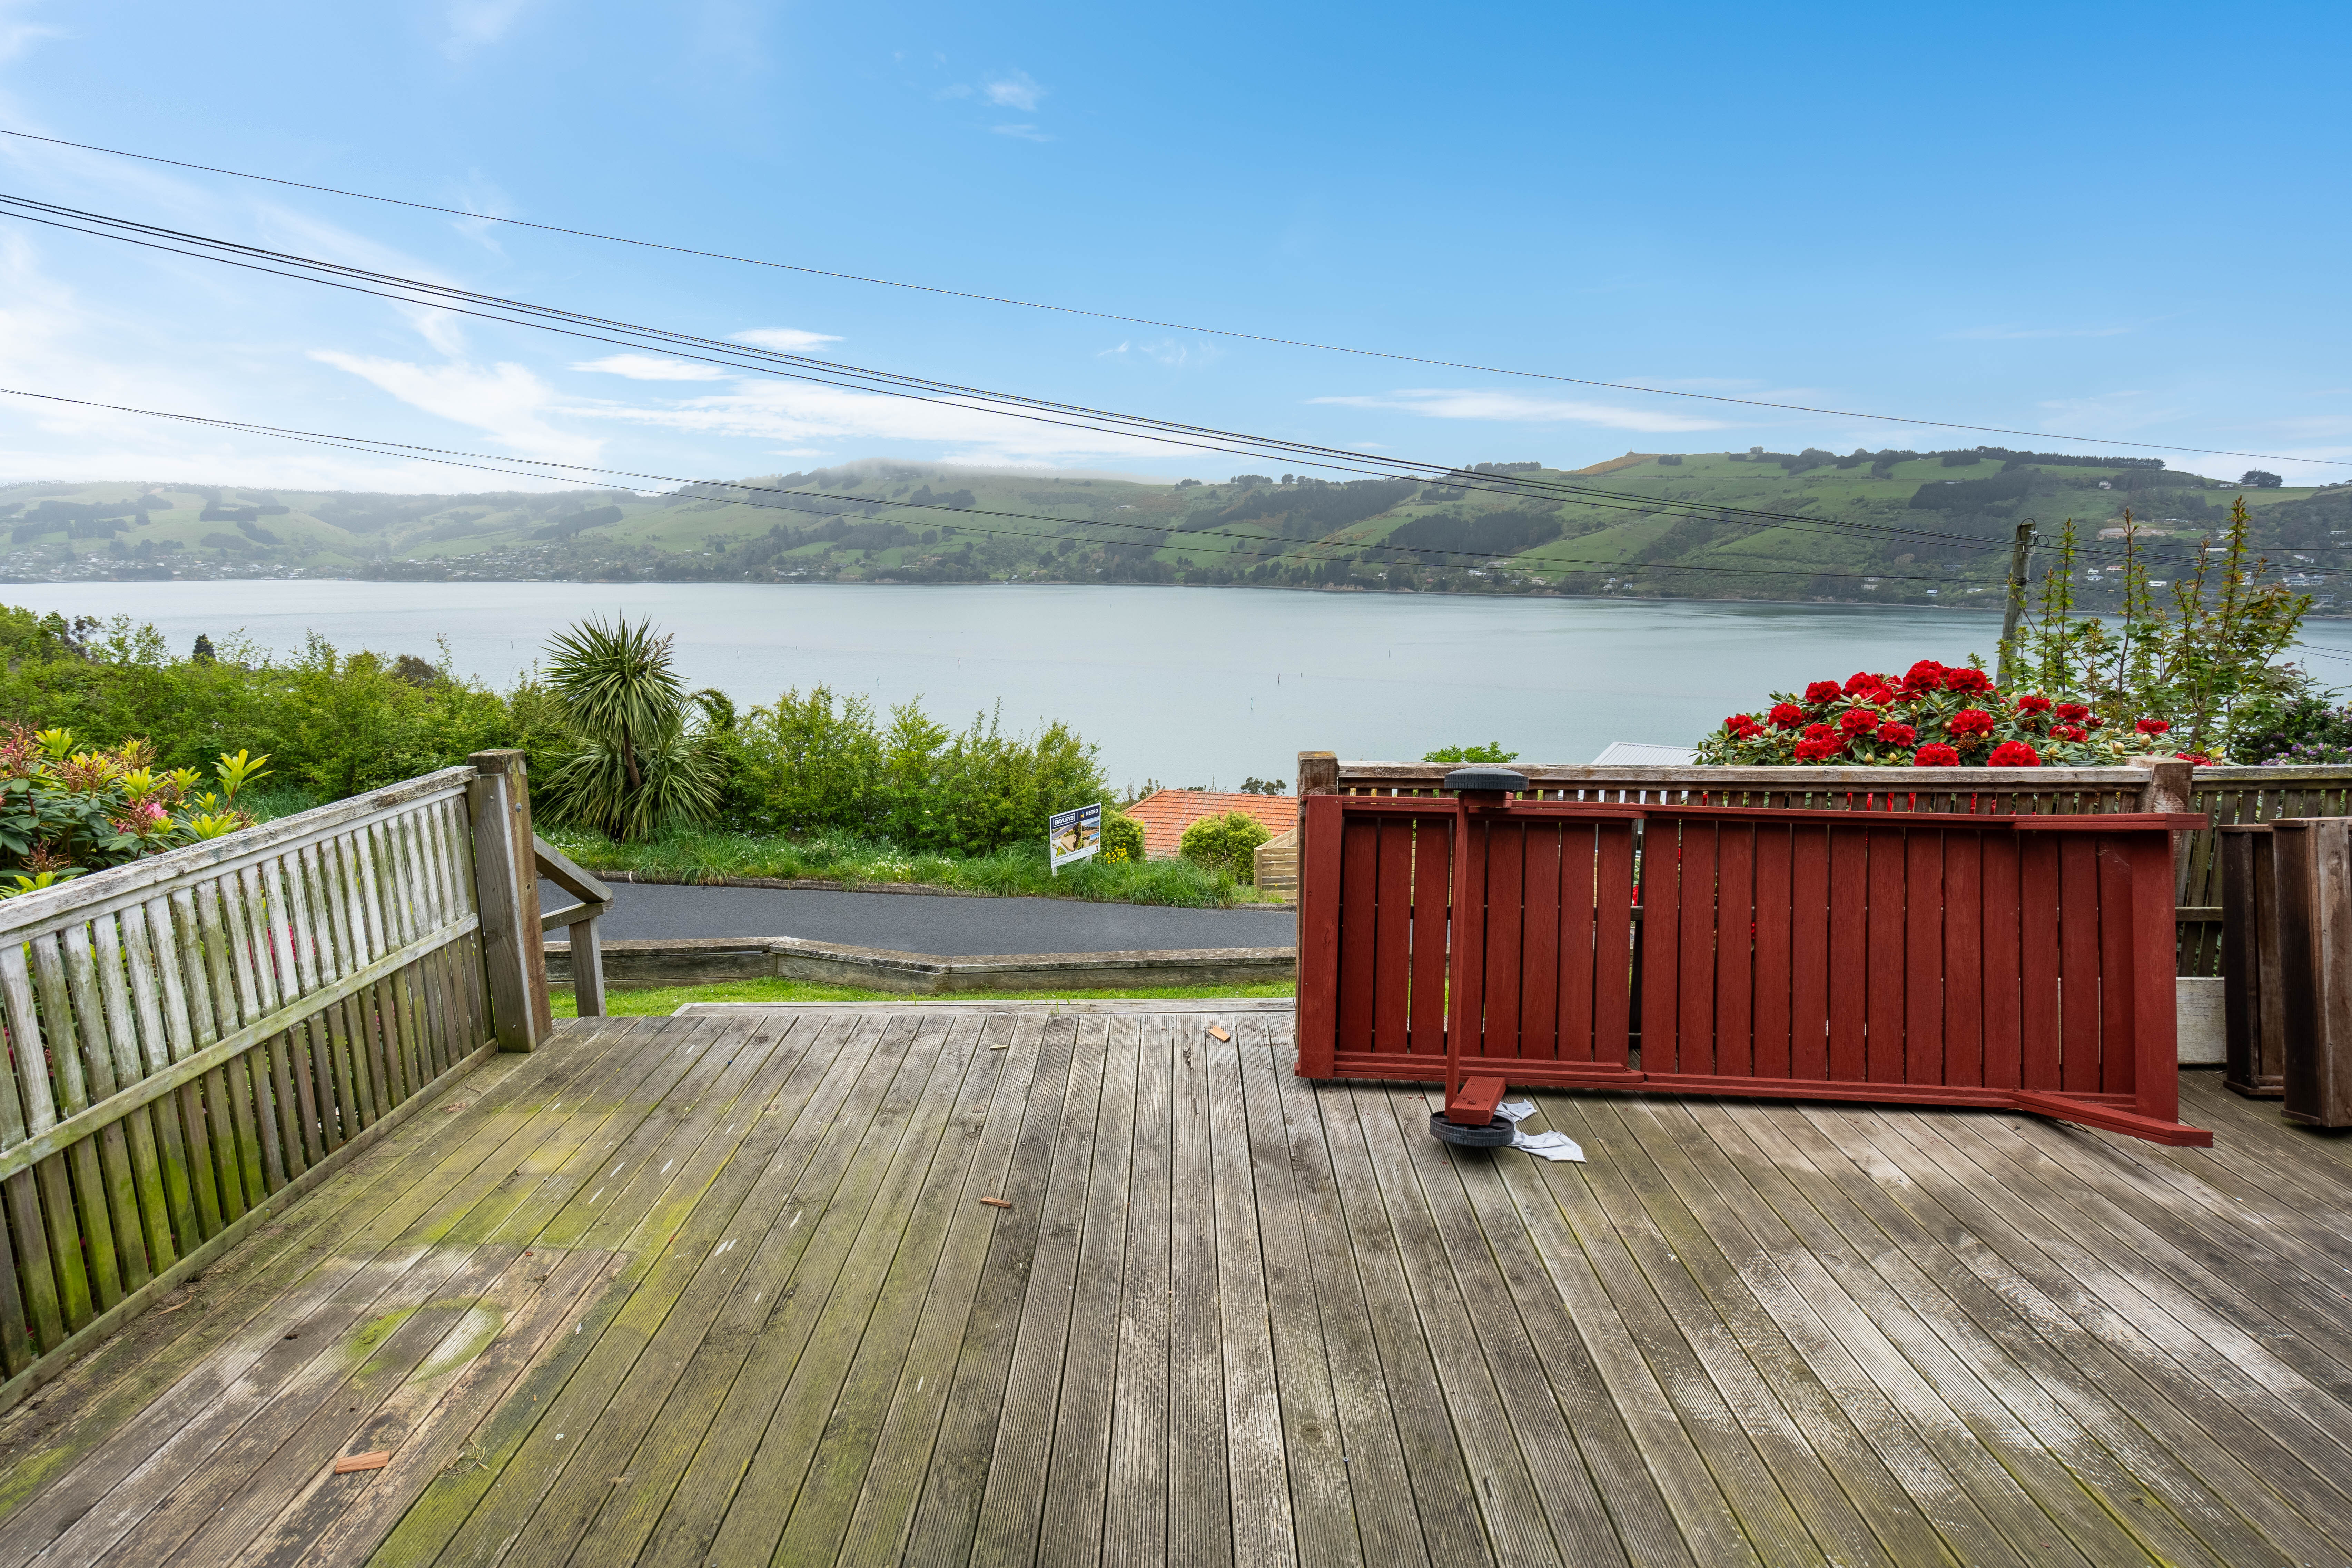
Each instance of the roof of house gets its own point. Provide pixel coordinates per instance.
(1168, 813)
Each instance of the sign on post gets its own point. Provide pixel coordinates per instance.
(1074, 835)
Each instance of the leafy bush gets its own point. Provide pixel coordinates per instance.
(2198, 653)
(64, 811)
(1122, 838)
(815, 762)
(2301, 729)
(1932, 716)
(1226, 843)
(1492, 752)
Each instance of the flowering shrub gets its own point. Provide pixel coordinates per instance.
(64, 812)
(1934, 715)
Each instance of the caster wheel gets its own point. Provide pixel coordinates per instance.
(1496, 1134)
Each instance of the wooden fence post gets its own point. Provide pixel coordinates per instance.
(1311, 1025)
(2314, 924)
(2254, 1007)
(506, 874)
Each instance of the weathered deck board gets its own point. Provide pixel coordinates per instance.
(722, 1288)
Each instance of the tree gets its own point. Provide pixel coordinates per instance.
(636, 763)
(2261, 479)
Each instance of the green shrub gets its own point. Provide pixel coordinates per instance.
(817, 761)
(1225, 843)
(1122, 838)
(1492, 752)
(65, 810)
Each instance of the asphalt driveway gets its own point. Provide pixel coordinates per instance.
(917, 923)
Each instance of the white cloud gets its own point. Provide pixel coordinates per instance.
(1023, 132)
(1517, 408)
(17, 36)
(1170, 352)
(649, 367)
(477, 24)
(804, 414)
(787, 340)
(505, 401)
(1015, 90)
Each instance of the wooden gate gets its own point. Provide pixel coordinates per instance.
(1903, 957)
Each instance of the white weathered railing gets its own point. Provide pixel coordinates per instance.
(195, 1038)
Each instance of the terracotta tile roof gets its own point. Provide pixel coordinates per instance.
(1167, 814)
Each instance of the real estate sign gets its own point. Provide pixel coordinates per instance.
(1074, 835)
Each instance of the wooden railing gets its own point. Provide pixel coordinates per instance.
(579, 921)
(2225, 796)
(194, 1039)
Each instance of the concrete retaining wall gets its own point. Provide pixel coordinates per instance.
(642, 965)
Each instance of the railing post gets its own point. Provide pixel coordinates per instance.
(506, 874)
(587, 968)
(2314, 924)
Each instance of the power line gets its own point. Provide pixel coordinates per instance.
(485, 462)
(835, 374)
(1169, 326)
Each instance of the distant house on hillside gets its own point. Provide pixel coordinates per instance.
(1166, 814)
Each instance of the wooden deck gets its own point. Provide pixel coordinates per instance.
(724, 1288)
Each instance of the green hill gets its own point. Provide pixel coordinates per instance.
(1889, 526)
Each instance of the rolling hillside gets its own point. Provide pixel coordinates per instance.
(1924, 528)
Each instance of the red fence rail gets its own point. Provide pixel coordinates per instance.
(1997, 961)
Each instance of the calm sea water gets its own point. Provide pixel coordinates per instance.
(1184, 685)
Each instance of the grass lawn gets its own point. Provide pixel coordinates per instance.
(697, 854)
(669, 999)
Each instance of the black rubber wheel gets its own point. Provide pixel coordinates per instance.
(1496, 1134)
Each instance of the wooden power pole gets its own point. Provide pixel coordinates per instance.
(2019, 555)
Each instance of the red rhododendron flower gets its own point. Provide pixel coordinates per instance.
(2073, 712)
(1822, 692)
(1743, 725)
(2095, 722)
(2032, 702)
(1862, 678)
(1924, 675)
(1970, 721)
(1935, 755)
(2153, 726)
(1820, 732)
(1810, 751)
(1787, 715)
(2013, 754)
(1854, 721)
(2068, 732)
(1894, 734)
(2199, 758)
(1967, 680)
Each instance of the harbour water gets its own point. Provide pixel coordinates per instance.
(1188, 686)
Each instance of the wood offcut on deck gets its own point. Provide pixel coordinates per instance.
(724, 1288)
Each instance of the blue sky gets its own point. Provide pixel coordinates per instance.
(2098, 220)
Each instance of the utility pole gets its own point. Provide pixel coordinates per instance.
(2019, 555)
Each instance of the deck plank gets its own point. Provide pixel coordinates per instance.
(721, 1286)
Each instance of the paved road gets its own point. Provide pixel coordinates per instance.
(915, 922)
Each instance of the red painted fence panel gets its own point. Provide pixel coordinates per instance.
(1926, 958)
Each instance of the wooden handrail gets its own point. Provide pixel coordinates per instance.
(587, 945)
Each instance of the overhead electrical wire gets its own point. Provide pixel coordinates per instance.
(1166, 325)
(743, 357)
(528, 468)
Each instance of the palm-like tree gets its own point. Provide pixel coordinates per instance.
(638, 763)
